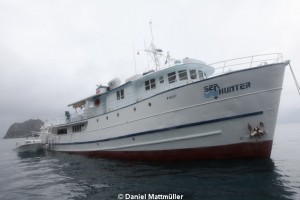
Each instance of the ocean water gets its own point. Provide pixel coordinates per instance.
(51, 175)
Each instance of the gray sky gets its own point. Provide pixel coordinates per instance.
(54, 52)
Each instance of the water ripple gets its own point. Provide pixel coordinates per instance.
(63, 176)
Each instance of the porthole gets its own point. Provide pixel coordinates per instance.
(134, 109)
(149, 104)
(106, 117)
(118, 114)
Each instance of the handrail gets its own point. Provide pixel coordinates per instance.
(246, 62)
(278, 54)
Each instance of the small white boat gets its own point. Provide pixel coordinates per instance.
(32, 144)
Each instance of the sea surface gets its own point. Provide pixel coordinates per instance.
(62, 176)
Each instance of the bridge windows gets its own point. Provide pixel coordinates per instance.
(150, 84)
(193, 74)
(172, 77)
(182, 75)
(201, 75)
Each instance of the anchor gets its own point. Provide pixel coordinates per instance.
(257, 132)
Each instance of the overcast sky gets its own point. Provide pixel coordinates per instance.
(54, 52)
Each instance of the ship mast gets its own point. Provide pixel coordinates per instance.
(153, 51)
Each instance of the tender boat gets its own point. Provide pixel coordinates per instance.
(182, 110)
(32, 144)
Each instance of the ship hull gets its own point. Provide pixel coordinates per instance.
(30, 148)
(232, 151)
(209, 119)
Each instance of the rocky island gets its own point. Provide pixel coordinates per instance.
(20, 130)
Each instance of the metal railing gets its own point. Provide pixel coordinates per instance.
(89, 112)
(245, 62)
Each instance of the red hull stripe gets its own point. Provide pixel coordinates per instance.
(258, 149)
(169, 128)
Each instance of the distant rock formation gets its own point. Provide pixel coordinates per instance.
(20, 130)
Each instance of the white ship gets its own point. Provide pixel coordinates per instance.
(187, 110)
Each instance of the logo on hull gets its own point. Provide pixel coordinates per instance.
(215, 90)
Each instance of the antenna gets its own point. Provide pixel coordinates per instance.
(155, 53)
(134, 57)
(152, 38)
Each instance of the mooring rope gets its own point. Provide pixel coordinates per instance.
(295, 80)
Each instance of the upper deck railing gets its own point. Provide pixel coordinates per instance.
(246, 62)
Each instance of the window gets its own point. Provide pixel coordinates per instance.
(77, 128)
(120, 94)
(150, 84)
(147, 85)
(172, 77)
(182, 75)
(62, 131)
(161, 79)
(193, 74)
(200, 75)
